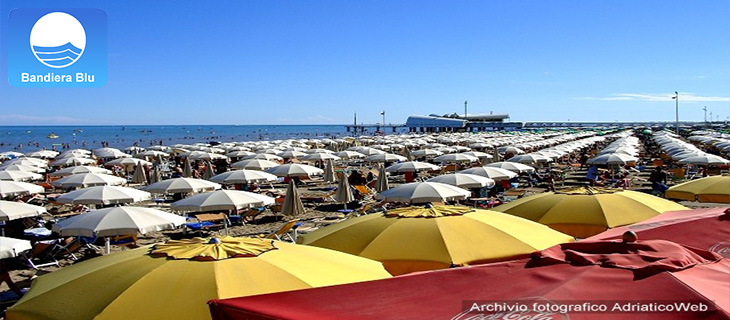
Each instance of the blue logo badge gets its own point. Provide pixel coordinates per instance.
(57, 48)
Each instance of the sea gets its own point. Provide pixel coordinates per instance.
(31, 138)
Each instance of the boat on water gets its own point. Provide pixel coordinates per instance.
(78, 130)
(52, 136)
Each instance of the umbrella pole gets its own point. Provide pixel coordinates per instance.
(107, 245)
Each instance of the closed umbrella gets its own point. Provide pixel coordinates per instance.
(155, 175)
(344, 193)
(382, 183)
(329, 172)
(104, 195)
(181, 185)
(208, 171)
(139, 175)
(176, 279)
(421, 192)
(187, 168)
(11, 210)
(292, 205)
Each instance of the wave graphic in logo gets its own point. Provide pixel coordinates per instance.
(59, 56)
(57, 39)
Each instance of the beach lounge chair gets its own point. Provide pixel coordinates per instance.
(364, 192)
(208, 221)
(287, 231)
(46, 253)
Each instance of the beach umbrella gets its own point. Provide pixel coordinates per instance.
(11, 210)
(221, 200)
(208, 171)
(510, 149)
(530, 158)
(43, 154)
(344, 193)
(21, 167)
(435, 237)
(11, 247)
(292, 205)
(264, 156)
(254, 164)
(104, 195)
(496, 174)
(292, 154)
(32, 162)
(427, 153)
(155, 175)
(295, 170)
(350, 155)
(139, 175)
(110, 153)
(421, 192)
(181, 185)
(13, 188)
(187, 168)
(382, 183)
(128, 162)
(706, 228)
(628, 280)
(329, 172)
(153, 154)
(612, 158)
(709, 189)
(117, 221)
(72, 161)
(78, 170)
(455, 157)
(583, 212)
(407, 153)
(385, 157)
(243, 176)
(320, 156)
(19, 176)
(412, 166)
(463, 180)
(512, 166)
(83, 180)
(176, 279)
(239, 154)
(705, 160)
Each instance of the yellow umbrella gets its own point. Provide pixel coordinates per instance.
(176, 279)
(435, 237)
(710, 189)
(583, 212)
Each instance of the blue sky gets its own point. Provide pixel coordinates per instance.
(318, 62)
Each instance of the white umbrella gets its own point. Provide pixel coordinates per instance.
(20, 167)
(412, 166)
(19, 176)
(512, 166)
(611, 158)
(420, 192)
(455, 157)
(104, 195)
(295, 170)
(11, 188)
(350, 155)
(221, 200)
(129, 162)
(33, 162)
(80, 169)
(529, 158)
(43, 154)
(139, 175)
(427, 153)
(11, 210)
(264, 156)
(10, 247)
(239, 154)
(705, 160)
(254, 164)
(243, 176)
(320, 156)
(72, 161)
(181, 185)
(88, 180)
(110, 153)
(463, 180)
(289, 154)
(385, 157)
(496, 174)
(510, 149)
(127, 220)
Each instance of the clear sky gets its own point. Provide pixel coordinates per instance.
(318, 62)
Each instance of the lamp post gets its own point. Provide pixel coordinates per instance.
(676, 112)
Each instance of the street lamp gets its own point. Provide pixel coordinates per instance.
(676, 112)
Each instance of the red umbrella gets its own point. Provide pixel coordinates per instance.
(707, 229)
(623, 278)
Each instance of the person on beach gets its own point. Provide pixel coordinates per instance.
(658, 179)
(592, 175)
